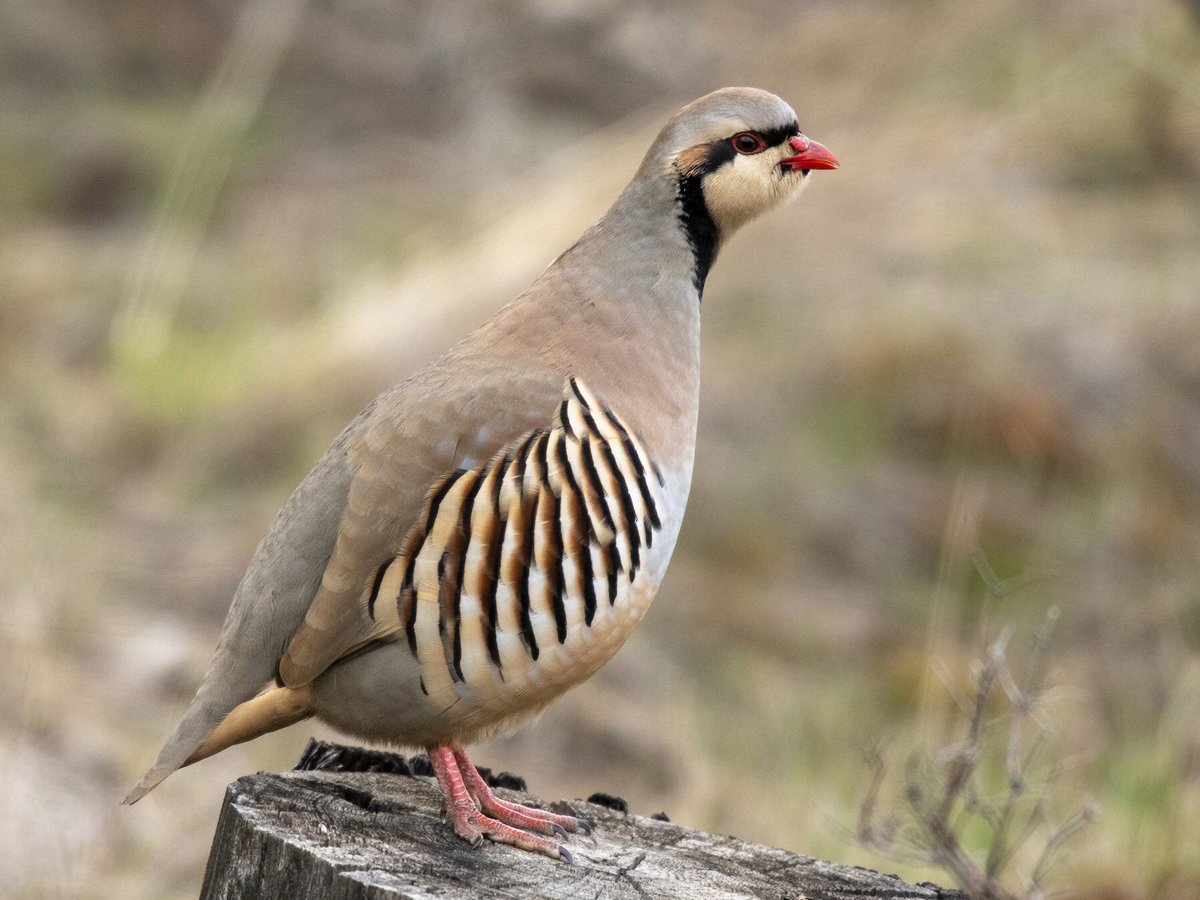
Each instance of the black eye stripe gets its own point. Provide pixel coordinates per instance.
(777, 136)
(771, 138)
(719, 152)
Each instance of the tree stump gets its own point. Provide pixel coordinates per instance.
(379, 834)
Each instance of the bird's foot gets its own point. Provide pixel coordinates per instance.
(475, 812)
(518, 815)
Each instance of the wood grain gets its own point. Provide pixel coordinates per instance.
(380, 835)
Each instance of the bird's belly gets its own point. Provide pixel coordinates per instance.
(384, 695)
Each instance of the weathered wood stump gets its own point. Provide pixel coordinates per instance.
(379, 834)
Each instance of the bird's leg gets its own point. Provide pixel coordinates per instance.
(516, 814)
(468, 822)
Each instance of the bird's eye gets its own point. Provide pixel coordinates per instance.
(748, 143)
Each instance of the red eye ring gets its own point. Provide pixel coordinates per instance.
(748, 143)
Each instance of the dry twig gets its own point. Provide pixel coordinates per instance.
(945, 793)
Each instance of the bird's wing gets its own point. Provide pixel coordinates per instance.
(400, 456)
(575, 499)
(303, 591)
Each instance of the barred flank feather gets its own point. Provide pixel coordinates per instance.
(522, 552)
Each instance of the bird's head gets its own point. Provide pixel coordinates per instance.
(739, 152)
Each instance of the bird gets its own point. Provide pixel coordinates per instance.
(486, 534)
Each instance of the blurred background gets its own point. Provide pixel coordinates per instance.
(955, 386)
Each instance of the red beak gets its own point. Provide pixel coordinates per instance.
(809, 155)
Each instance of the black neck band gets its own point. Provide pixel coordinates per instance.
(698, 226)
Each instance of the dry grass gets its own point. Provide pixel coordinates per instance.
(973, 393)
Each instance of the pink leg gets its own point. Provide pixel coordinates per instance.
(519, 816)
(465, 816)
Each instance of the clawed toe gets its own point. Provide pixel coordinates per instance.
(475, 812)
(473, 826)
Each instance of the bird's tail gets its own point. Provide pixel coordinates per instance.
(200, 734)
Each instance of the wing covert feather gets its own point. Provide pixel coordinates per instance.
(402, 451)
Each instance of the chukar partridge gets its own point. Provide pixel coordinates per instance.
(487, 534)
